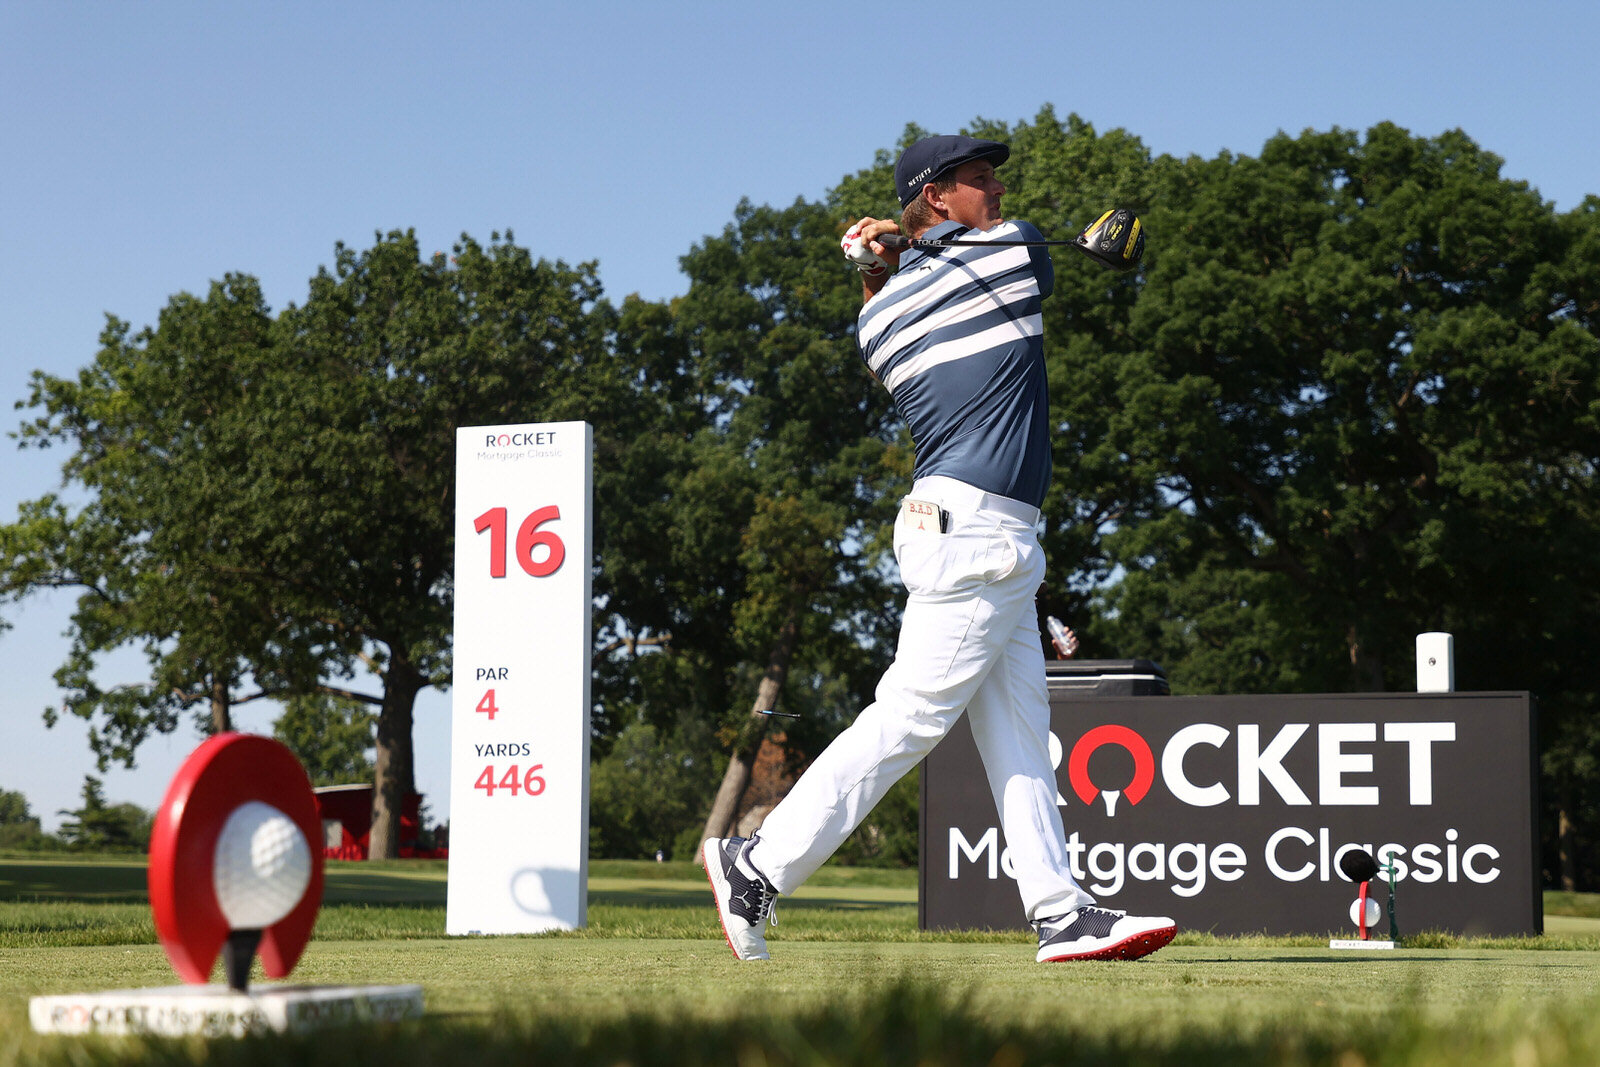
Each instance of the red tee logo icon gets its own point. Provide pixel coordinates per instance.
(1144, 765)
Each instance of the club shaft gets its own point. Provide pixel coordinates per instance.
(899, 242)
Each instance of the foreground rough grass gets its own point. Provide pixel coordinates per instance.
(563, 1000)
(852, 981)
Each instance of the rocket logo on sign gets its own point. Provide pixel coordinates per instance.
(1342, 750)
(1144, 765)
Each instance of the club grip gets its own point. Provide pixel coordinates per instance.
(895, 242)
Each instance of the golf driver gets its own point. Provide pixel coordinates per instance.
(1115, 240)
(1358, 865)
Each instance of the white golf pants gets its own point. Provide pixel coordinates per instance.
(969, 642)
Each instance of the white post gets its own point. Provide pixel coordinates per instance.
(519, 727)
(1436, 663)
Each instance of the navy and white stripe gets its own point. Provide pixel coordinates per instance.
(957, 338)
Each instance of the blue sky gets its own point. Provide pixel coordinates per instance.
(150, 147)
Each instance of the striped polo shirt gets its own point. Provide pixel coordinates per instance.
(957, 338)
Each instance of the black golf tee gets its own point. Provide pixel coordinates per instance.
(237, 953)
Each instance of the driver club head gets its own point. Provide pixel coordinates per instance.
(1358, 865)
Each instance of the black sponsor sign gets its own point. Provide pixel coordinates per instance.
(1230, 813)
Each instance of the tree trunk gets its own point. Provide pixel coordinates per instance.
(393, 772)
(725, 808)
(726, 805)
(221, 706)
(1366, 664)
(1567, 845)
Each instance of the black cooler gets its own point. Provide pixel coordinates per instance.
(1071, 678)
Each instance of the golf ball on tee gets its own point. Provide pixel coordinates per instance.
(261, 867)
(1373, 911)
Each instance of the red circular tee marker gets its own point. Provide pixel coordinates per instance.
(226, 771)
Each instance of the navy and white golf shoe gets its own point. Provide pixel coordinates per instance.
(745, 900)
(1092, 933)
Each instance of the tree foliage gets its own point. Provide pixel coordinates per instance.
(1352, 394)
(269, 497)
(1349, 373)
(650, 786)
(152, 427)
(796, 463)
(330, 735)
(101, 827)
(19, 827)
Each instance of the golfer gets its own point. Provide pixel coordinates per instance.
(955, 335)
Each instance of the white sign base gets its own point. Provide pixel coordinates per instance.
(217, 1011)
(519, 718)
(1357, 943)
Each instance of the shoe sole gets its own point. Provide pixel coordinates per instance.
(1129, 948)
(711, 856)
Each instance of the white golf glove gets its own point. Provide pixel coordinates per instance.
(856, 251)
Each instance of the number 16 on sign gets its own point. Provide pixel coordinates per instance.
(519, 735)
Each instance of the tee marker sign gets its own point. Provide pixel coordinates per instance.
(519, 717)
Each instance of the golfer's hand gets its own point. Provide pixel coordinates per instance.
(861, 248)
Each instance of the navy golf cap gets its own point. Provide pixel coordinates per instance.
(932, 157)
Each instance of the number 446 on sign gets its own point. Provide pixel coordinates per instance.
(513, 779)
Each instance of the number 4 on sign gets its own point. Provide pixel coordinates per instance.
(487, 705)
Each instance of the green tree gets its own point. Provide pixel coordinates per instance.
(650, 787)
(790, 480)
(388, 356)
(1349, 370)
(99, 826)
(665, 551)
(157, 563)
(1356, 398)
(290, 520)
(19, 827)
(331, 735)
